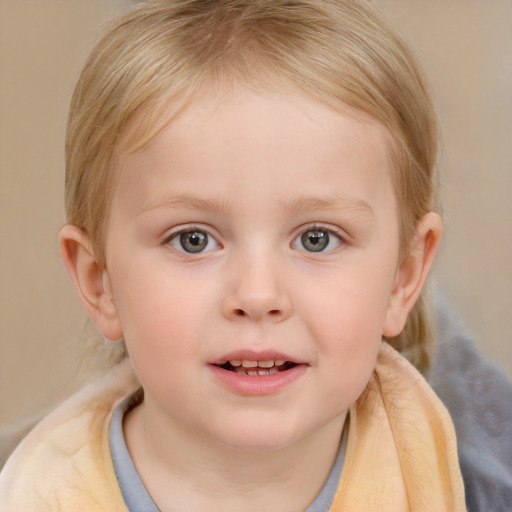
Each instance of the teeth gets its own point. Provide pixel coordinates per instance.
(247, 367)
(253, 364)
(263, 371)
(270, 371)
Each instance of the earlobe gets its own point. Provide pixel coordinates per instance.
(413, 273)
(91, 280)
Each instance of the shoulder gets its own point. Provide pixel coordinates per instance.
(402, 434)
(406, 393)
(65, 461)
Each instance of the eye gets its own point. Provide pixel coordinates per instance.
(317, 240)
(193, 241)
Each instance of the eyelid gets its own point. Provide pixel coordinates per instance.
(322, 226)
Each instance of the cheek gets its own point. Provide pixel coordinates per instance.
(350, 337)
(160, 320)
(347, 326)
(352, 310)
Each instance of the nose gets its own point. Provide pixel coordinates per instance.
(257, 292)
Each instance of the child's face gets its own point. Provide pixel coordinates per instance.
(258, 228)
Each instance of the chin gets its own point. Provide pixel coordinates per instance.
(258, 437)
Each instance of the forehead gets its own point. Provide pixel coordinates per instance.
(269, 137)
(204, 104)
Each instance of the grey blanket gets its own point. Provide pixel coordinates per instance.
(479, 397)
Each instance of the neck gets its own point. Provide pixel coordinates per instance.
(183, 470)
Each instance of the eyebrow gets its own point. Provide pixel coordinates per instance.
(295, 206)
(185, 201)
(336, 203)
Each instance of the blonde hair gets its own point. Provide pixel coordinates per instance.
(165, 52)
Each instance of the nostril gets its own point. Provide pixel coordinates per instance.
(274, 314)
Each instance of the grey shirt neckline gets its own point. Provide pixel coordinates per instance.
(135, 494)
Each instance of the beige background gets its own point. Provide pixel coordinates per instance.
(466, 49)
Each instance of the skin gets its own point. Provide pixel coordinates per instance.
(253, 173)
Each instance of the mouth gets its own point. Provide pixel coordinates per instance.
(251, 373)
(255, 368)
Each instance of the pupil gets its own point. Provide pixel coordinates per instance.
(315, 240)
(194, 241)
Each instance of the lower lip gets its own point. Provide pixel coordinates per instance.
(258, 385)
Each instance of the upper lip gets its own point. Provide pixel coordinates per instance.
(255, 355)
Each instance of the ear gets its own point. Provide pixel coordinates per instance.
(412, 273)
(91, 280)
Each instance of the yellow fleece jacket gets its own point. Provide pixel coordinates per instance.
(401, 452)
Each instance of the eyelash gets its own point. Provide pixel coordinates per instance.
(299, 239)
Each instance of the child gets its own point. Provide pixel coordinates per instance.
(250, 198)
